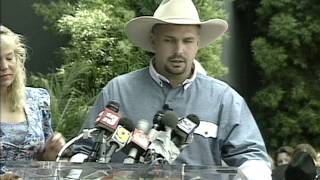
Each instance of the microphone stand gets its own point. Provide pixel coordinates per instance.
(95, 155)
(109, 153)
(102, 151)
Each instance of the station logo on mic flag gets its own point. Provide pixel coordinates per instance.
(111, 119)
(140, 138)
(108, 119)
(122, 135)
(186, 125)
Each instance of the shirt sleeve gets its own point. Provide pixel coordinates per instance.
(45, 108)
(242, 137)
(95, 110)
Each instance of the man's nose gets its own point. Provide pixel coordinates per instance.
(179, 47)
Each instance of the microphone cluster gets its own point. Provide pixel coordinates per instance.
(162, 142)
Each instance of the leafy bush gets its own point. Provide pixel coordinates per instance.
(286, 52)
(68, 109)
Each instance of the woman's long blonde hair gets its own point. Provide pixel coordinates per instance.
(17, 90)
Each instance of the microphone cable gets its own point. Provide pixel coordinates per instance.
(86, 133)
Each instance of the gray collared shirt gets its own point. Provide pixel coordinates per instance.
(227, 130)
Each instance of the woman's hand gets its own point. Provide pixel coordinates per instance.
(54, 144)
(10, 176)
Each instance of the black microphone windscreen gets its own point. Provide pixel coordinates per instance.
(126, 123)
(194, 118)
(157, 117)
(114, 105)
(170, 119)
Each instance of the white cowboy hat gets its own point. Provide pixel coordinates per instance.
(174, 12)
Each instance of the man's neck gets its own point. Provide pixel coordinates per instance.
(177, 81)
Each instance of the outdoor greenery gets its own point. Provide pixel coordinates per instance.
(286, 51)
(98, 50)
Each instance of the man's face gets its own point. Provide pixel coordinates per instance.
(175, 49)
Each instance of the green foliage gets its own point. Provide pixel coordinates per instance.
(210, 57)
(68, 110)
(264, 55)
(286, 52)
(98, 42)
(53, 11)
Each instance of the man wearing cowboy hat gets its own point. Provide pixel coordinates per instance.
(227, 130)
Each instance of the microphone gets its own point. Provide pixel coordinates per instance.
(119, 138)
(182, 134)
(107, 122)
(139, 142)
(166, 107)
(109, 118)
(156, 125)
(162, 148)
(170, 120)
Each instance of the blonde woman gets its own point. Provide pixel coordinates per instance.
(25, 129)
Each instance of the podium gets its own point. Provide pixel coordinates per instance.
(46, 170)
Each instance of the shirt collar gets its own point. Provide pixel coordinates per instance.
(159, 79)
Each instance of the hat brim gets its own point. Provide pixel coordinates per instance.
(138, 30)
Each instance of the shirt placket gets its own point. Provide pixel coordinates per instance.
(170, 96)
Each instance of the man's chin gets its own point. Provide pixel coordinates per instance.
(176, 72)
